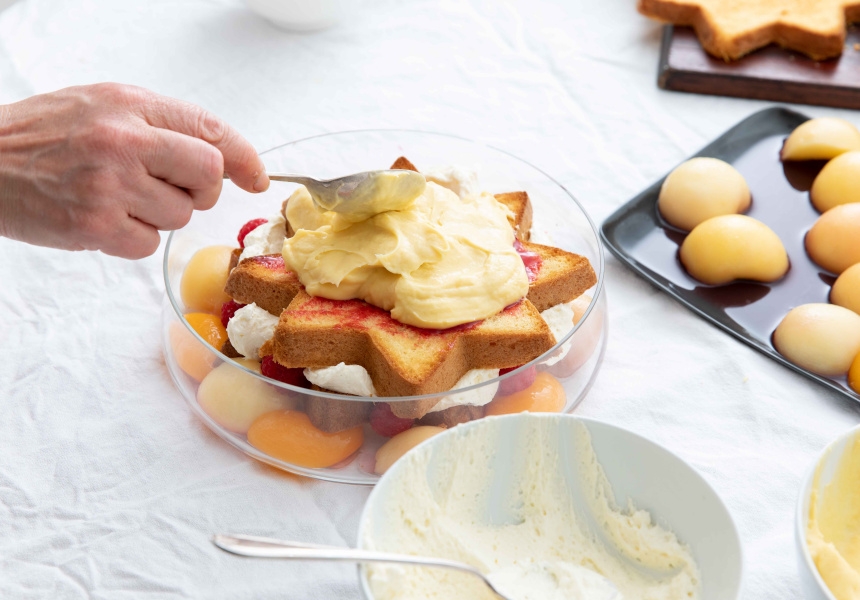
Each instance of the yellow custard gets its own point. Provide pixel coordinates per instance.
(833, 533)
(388, 190)
(440, 262)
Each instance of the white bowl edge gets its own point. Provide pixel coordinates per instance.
(590, 424)
(813, 584)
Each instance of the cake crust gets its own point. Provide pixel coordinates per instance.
(403, 360)
(730, 29)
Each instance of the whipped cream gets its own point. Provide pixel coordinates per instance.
(455, 502)
(478, 397)
(553, 581)
(461, 181)
(559, 318)
(355, 380)
(268, 238)
(249, 329)
(344, 379)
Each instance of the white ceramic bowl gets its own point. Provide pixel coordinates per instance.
(656, 480)
(303, 15)
(813, 585)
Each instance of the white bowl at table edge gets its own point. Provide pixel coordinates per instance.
(621, 433)
(813, 585)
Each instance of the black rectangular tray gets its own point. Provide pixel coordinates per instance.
(749, 311)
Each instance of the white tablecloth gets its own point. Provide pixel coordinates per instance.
(110, 488)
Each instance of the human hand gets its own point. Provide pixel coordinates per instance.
(104, 167)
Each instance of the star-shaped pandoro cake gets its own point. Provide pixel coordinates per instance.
(729, 29)
(403, 360)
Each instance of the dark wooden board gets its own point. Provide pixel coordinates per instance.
(771, 73)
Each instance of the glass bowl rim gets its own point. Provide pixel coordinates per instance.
(600, 271)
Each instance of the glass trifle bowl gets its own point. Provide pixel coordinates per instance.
(275, 421)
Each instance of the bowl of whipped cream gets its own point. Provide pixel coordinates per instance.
(827, 523)
(550, 506)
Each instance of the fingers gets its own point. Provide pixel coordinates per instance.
(241, 162)
(161, 204)
(187, 163)
(133, 239)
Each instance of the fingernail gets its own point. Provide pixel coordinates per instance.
(261, 183)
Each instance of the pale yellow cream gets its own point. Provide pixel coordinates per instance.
(386, 190)
(440, 262)
(833, 533)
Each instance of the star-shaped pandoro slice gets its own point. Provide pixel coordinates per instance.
(263, 280)
(729, 29)
(403, 360)
(558, 276)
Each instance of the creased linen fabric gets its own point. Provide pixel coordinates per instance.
(110, 487)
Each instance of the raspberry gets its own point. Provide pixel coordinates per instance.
(518, 382)
(248, 228)
(273, 370)
(385, 422)
(228, 309)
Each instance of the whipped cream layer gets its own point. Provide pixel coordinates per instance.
(249, 329)
(355, 380)
(267, 238)
(453, 503)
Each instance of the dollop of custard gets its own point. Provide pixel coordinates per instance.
(730, 247)
(846, 290)
(834, 240)
(838, 182)
(821, 139)
(702, 188)
(822, 338)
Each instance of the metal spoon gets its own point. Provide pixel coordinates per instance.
(261, 547)
(362, 194)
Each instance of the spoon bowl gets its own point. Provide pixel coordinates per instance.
(364, 194)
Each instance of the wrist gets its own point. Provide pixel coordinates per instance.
(5, 192)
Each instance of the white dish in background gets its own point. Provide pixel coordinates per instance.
(814, 587)
(676, 496)
(303, 15)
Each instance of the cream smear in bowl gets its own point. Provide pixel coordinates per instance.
(548, 501)
(827, 522)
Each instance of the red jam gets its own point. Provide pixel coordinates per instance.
(274, 262)
(531, 260)
(357, 314)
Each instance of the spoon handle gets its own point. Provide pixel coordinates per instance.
(261, 547)
(291, 179)
(306, 181)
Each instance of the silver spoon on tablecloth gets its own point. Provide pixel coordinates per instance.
(261, 547)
